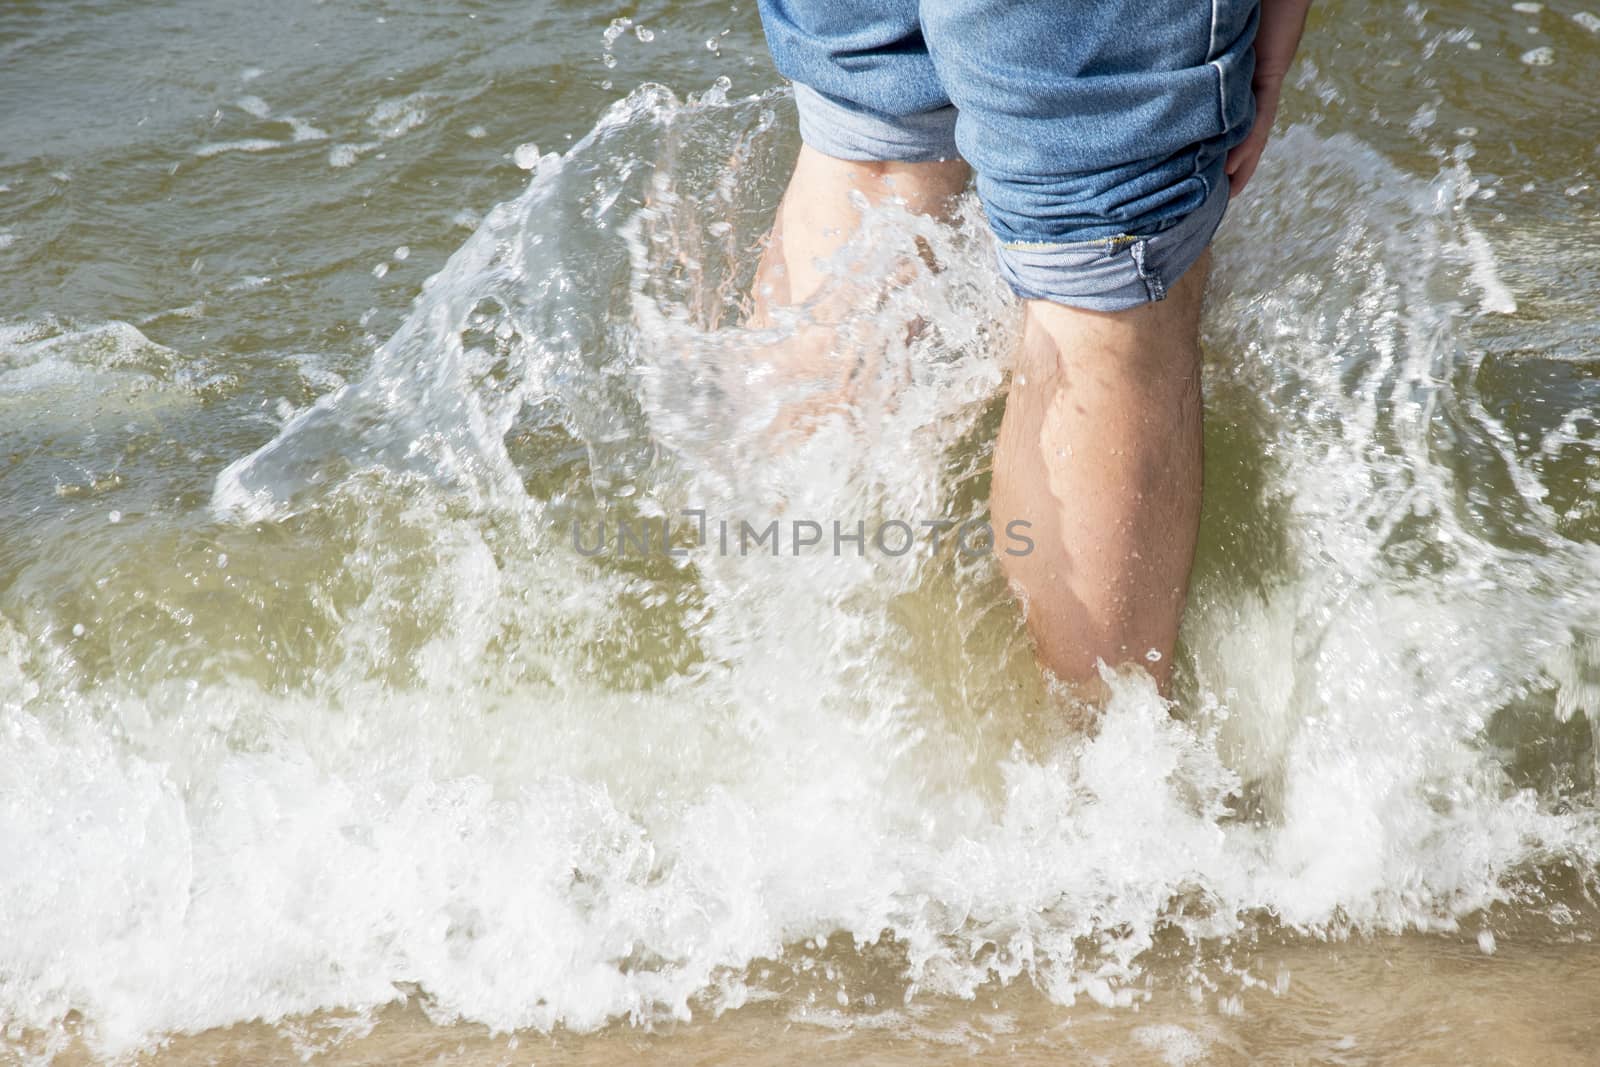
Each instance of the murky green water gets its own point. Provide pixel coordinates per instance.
(315, 723)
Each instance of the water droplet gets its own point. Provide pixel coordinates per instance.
(1539, 57)
(115, 517)
(526, 156)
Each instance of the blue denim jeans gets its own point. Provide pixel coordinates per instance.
(1097, 129)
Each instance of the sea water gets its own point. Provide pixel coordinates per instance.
(317, 703)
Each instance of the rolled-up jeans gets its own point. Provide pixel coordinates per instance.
(1097, 129)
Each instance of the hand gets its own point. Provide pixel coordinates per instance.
(1277, 37)
(1244, 156)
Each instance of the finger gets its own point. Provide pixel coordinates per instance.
(1245, 151)
(1241, 177)
(1238, 154)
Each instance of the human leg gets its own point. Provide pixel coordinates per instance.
(1100, 159)
(820, 212)
(876, 128)
(1100, 453)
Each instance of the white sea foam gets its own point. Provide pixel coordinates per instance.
(251, 144)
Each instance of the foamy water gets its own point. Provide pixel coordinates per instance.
(368, 721)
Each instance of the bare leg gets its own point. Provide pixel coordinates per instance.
(817, 217)
(816, 369)
(1100, 447)
(1100, 451)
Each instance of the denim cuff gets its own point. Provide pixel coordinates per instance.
(843, 130)
(1110, 273)
(1114, 273)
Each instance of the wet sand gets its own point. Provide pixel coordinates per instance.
(1400, 1001)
